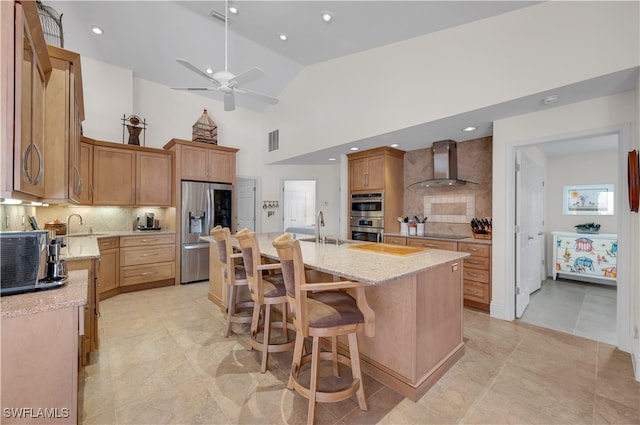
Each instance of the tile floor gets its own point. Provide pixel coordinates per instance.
(578, 308)
(163, 360)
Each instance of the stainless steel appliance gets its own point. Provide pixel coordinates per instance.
(23, 263)
(367, 216)
(204, 205)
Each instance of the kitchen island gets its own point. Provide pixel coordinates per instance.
(417, 301)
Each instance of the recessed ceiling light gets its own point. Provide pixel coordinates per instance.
(353, 149)
(550, 99)
(327, 16)
(234, 10)
(470, 128)
(332, 159)
(96, 29)
(283, 36)
(209, 70)
(394, 145)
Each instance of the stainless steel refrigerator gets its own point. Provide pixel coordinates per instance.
(204, 205)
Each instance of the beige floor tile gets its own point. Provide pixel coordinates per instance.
(163, 359)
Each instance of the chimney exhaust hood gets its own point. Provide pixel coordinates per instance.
(445, 166)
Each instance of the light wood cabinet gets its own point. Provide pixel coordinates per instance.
(114, 174)
(367, 173)
(125, 175)
(154, 179)
(379, 170)
(433, 244)
(477, 275)
(109, 267)
(64, 112)
(395, 240)
(23, 97)
(89, 341)
(85, 159)
(204, 162)
(147, 259)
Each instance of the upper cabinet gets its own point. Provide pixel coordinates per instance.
(64, 113)
(25, 57)
(127, 175)
(380, 170)
(204, 162)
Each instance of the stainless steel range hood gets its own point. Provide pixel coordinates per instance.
(445, 166)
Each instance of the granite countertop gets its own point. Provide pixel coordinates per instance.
(368, 267)
(442, 238)
(73, 293)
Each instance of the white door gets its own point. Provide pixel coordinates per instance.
(529, 229)
(246, 193)
(295, 209)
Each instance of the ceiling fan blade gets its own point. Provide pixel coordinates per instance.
(195, 69)
(229, 102)
(195, 88)
(247, 76)
(264, 97)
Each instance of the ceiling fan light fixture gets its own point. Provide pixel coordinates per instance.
(326, 16)
(283, 37)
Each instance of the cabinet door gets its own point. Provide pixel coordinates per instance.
(194, 164)
(221, 166)
(109, 271)
(114, 173)
(154, 179)
(29, 119)
(76, 184)
(85, 159)
(375, 172)
(358, 171)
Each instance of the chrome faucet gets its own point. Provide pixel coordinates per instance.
(69, 222)
(319, 223)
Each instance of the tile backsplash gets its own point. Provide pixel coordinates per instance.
(96, 219)
(474, 165)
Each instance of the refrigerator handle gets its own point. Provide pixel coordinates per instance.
(210, 218)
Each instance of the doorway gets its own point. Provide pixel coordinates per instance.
(246, 195)
(581, 308)
(299, 206)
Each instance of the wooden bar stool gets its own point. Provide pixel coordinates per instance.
(233, 276)
(266, 291)
(323, 310)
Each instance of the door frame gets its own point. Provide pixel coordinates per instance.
(623, 319)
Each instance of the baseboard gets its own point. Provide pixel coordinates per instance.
(498, 311)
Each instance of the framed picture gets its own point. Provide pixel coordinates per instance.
(596, 199)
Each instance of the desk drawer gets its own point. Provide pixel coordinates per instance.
(146, 240)
(134, 275)
(133, 256)
(475, 291)
(476, 275)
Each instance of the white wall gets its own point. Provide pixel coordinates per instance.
(571, 170)
(453, 71)
(609, 114)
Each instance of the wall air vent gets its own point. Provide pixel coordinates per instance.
(274, 140)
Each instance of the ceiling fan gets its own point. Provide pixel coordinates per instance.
(226, 82)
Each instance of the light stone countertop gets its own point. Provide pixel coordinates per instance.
(82, 246)
(73, 293)
(368, 267)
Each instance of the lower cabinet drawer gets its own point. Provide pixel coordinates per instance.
(476, 275)
(475, 291)
(138, 255)
(395, 240)
(434, 244)
(475, 262)
(133, 275)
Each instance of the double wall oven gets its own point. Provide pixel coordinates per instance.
(367, 216)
